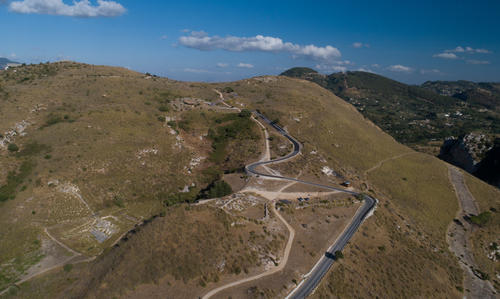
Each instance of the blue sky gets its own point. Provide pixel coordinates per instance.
(410, 41)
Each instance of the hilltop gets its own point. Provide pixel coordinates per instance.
(102, 189)
(4, 62)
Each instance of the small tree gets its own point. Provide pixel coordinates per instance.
(339, 255)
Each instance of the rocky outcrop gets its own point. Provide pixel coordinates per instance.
(489, 168)
(467, 151)
(476, 153)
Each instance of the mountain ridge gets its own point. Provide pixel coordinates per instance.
(5, 61)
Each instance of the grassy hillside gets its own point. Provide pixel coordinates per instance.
(414, 190)
(413, 115)
(182, 252)
(98, 150)
(114, 147)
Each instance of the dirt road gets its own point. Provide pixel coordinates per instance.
(458, 238)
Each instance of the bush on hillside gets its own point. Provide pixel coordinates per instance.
(12, 147)
(219, 189)
(245, 113)
(481, 219)
(14, 180)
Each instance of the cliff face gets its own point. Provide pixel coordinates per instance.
(478, 154)
(489, 168)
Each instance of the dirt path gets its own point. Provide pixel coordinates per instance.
(61, 244)
(458, 238)
(280, 267)
(221, 96)
(386, 160)
(272, 196)
(48, 263)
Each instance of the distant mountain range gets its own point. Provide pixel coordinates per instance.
(4, 62)
(420, 116)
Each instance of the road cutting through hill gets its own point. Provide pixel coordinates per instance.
(313, 278)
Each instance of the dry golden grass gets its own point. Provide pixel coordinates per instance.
(325, 121)
(386, 259)
(316, 224)
(173, 256)
(104, 147)
(419, 185)
(101, 136)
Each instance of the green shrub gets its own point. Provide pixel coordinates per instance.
(14, 180)
(118, 202)
(240, 127)
(481, 219)
(33, 148)
(53, 119)
(12, 147)
(245, 113)
(163, 108)
(67, 267)
(218, 189)
(339, 255)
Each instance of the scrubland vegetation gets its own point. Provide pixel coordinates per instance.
(108, 145)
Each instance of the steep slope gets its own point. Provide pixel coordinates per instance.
(417, 201)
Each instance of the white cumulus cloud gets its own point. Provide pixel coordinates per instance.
(222, 64)
(473, 61)
(431, 71)
(360, 45)
(83, 8)
(245, 65)
(469, 50)
(202, 41)
(325, 68)
(446, 55)
(400, 68)
(362, 69)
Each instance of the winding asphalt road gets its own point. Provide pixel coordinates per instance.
(313, 278)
